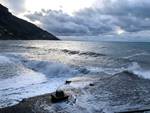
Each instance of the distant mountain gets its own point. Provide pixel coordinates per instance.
(14, 28)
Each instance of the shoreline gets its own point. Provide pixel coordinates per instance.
(27, 105)
(121, 93)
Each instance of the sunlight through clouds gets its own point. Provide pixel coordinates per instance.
(84, 17)
(119, 30)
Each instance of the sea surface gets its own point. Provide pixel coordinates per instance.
(31, 68)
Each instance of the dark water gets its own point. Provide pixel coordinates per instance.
(30, 68)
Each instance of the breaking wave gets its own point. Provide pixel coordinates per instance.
(77, 52)
(88, 53)
(4, 60)
(51, 69)
(35, 77)
(31, 78)
(136, 69)
(137, 55)
(58, 69)
(133, 68)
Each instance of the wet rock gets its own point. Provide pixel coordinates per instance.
(128, 72)
(84, 70)
(91, 84)
(59, 96)
(68, 81)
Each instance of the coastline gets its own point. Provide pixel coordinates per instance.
(27, 105)
(108, 94)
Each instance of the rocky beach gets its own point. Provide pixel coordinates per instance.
(120, 93)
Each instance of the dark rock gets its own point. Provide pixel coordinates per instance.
(128, 72)
(68, 82)
(3, 10)
(59, 96)
(91, 84)
(84, 71)
(60, 93)
(13, 28)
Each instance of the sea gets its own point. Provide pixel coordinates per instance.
(32, 68)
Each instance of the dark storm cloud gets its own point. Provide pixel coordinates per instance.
(103, 18)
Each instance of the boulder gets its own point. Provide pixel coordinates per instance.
(59, 96)
(68, 81)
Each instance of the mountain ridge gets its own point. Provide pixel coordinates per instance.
(14, 28)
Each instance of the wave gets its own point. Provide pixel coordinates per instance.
(137, 54)
(67, 51)
(31, 78)
(133, 69)
(38, 77)
(48, 68)
(88, 53)
(4, 60)
(136, 69)
(73, 52)
(51, 69)
(58, 69)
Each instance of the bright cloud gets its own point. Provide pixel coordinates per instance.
(67, 6)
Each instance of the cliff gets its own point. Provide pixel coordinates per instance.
(13, 28)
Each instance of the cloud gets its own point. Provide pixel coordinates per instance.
(81, 23)
(16, 6)
(129, 37)
(104, 17)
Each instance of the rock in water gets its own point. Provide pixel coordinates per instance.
(15, 28)
(59, 96)
(68, 82)
(91, 84)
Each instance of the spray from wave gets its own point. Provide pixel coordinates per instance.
(136, 69)
(133, 68)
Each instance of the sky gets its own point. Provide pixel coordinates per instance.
(85, 17)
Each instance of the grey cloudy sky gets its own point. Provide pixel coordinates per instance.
(96, 17)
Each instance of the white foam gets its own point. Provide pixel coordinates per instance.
(31, 78)
(52, 69)
(110, 71)
(137, 54)
(4, 60)
(138, 70)
(23, 80)
(135, 68)
(40, 77)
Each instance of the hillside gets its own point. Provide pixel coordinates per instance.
(13, 28)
